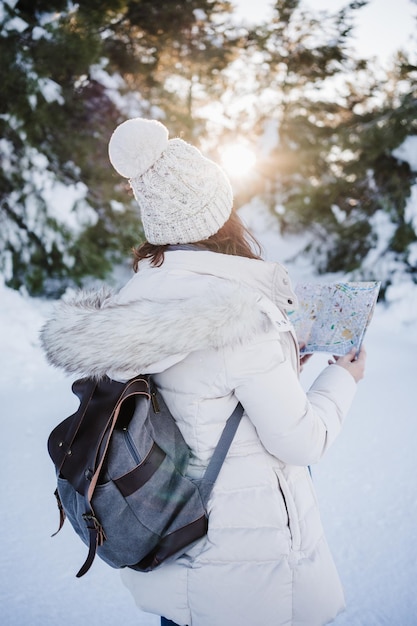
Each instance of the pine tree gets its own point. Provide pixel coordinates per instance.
(66, 70)
(358, 211)
(390, 179)
(50, 119)
(71, 72)
(337, 120)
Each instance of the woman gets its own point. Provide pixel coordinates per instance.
(207, 318)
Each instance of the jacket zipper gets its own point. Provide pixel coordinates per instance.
(291, 510)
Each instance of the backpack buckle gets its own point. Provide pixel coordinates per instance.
(93, 523)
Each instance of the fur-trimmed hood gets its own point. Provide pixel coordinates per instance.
(197, 301)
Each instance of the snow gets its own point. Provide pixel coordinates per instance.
(366, 484)
(407, 151)
(51, 91)
(130, 104)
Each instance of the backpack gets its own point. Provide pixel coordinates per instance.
(121, 461)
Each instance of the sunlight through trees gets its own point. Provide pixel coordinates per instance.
(286, 106)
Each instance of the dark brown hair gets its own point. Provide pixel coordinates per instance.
(232, 238)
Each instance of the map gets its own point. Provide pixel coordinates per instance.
(333, 317)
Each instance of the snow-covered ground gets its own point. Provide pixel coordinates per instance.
(367, 484)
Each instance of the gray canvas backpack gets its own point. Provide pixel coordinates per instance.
(121, 463)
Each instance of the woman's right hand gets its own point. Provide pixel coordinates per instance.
(355, 366)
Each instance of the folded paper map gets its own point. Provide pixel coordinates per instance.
(333, 317)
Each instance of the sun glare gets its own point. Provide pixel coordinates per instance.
(237, 159)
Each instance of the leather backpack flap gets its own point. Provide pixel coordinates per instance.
(77, 444)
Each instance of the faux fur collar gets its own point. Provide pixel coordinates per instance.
(94, 333)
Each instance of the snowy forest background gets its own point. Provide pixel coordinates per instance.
(332, 194)
(327, 126)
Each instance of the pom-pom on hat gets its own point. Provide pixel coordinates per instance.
(183, 196)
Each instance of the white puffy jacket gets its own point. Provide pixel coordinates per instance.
(212, 328)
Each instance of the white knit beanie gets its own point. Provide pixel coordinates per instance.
(183, 197)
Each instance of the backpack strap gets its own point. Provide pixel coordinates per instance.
(207, 482)
(170, 544)
(78, 445)
(136, 386)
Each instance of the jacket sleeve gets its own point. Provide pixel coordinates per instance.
(294, 426)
